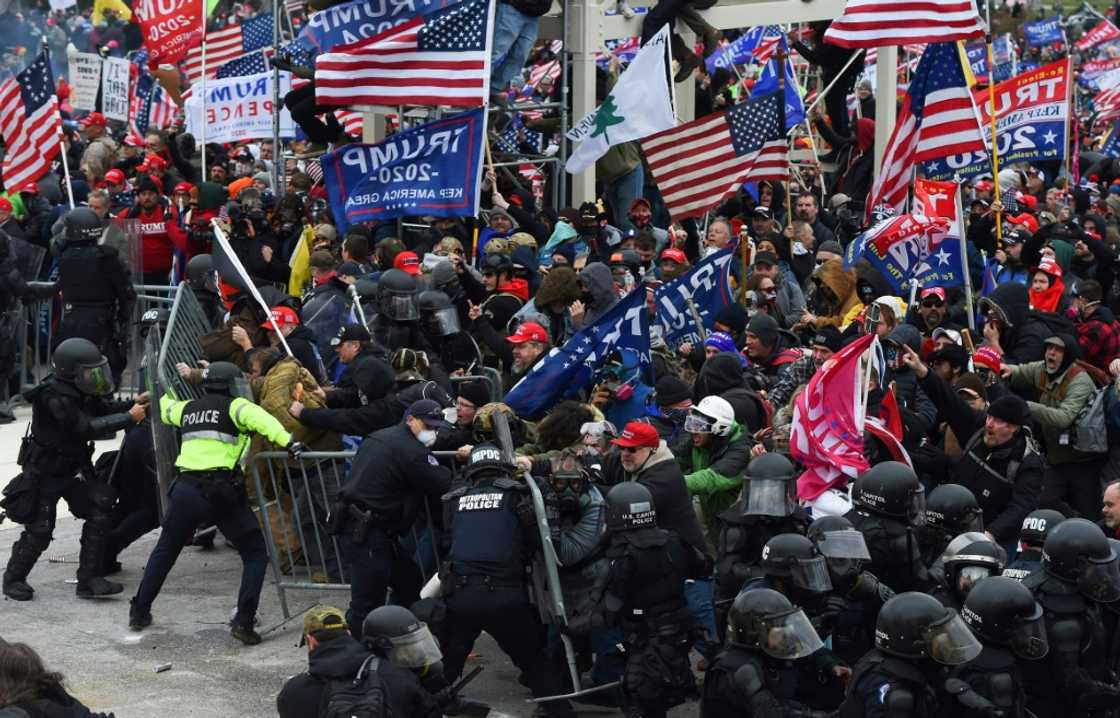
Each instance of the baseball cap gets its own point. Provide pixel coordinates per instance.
(93, 118)
(838, 199)
(349, 269)
(674, 255)
(528, 332)
(407, 261)
(5, 204)
(1049, 266)
(829, 338)
(987, 357)
(761, 211)
(29, 187)
(350, 333)
(953, 335)
(114, 176)
(768, 258)
(134, 141)
(1015, 236)
(322, 618)
(638, 433)
(983, 185)
(283, 316)
(938, 292)
(429, 412)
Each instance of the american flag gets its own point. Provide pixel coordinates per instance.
(252, 64)
(766, 48)
(699, 163)
(875, 23)
(228, 44)
(151, 106)
(936, 120)
(437, 59)
(29, 123)
(509, 143)
(1107, 104)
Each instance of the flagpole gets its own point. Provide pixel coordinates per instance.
(780, 69)
(828, 88)
(276, 159)
(61, 140)
(968, 298)
(1071, 126)
(992, 107)
(202, 134)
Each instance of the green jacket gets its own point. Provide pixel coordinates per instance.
(206, 454)
(716, 476)
(1054, 411)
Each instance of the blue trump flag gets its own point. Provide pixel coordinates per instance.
(1044, 32)
(432, 170)
(707, 285)
(1111, 147)
(768, 83)
(909, 248)
(741, 50)
(353, 21)
(569, 369)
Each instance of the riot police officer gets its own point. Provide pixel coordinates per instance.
(1078, 574)
(754, 674)
(888, 503)
(395, 324)
(209, 489)
(915, 636)
(767, 507)
(968, 559)
(493, 534)
(439, 322)
(1003, 614)
(1032, 537)
(951, 510)
(203, 281)
(69, 410)
(97, 287)
(643, 594)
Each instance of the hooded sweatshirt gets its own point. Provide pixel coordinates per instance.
(1048, 299)
(842, 283)
(600, 285)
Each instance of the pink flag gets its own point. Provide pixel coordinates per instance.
(827, 434)
(1104, 31)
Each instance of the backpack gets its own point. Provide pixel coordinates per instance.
(365, 696)
(1090, 428)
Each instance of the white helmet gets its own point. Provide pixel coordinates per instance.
(713, 415)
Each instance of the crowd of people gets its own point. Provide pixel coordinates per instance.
(971, 570)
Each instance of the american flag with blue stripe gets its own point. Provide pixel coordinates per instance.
(252, 64)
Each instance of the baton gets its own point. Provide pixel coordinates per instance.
(575, 694)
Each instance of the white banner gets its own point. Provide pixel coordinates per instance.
(62, 4)
(239, 108)
(85, 80)
(114, 89)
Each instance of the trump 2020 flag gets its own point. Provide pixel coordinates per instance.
(637, 106)
(570, 368)
(433, 169)
(910, 248)
(707, 285)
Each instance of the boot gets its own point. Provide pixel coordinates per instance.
(138, 618)
(16, 588)
(91, 561)
(242, 629)
(24, 555)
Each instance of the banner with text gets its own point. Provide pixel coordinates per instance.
(85, 80)
(356, 20)
(1044, 32)
(239, 108)
(433, 170)
(708, 286)
(114, 89)
(169, 28)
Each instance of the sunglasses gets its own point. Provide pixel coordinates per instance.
(562, 482)
(930, 303)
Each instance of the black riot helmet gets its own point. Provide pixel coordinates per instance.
(396, 295)
(915, 625)
(969, 558)
(438, 316)
(795, 557)
(1037, 526)
(953, 509)
(891, 489)
(83, 225)
(764, 619)
(498, 264)
(155, 317)
(222, 377)
(630, 506)
(487, 460)
(395, 633)
(1076, 551)
(366, 288)
(1002, 611)
(843, 547)
(201, 275)
(79, 362)
(768, 486)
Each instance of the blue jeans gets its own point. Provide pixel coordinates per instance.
(622, 192)
(699, 594)
(514, 35)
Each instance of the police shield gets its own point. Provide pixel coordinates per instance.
(165, 437)
(124, 236)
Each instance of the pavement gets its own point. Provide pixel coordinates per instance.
(110, 668)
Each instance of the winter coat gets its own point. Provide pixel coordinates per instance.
(600, 284)
(715, 474)
(842, 283)
(1060, 400)
(275, 392)
(1024, 340)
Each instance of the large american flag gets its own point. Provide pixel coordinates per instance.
(437, 59)
(936, 120)
(252, 64)
(29, 123)
(150, 106)
(878, 23)
(228, 44)
(699, 163)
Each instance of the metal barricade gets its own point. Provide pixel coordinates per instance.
(292, 506)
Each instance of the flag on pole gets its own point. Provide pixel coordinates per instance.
(937, 119)
(228, 44)
(252, 64)
(1103, 32)
(442, 58)
(29, 123)
(638, 105)
(768, 82)
(874, 23)
(151, 106)
(699, 163)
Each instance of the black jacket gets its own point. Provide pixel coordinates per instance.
(1005, 501)
(366, 378)
(306, 351)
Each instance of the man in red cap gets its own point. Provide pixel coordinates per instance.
(101, 151)
(153, 213)
(933, 311)
(673, 264)
(299, 339)
(526, 346)
(408, 262)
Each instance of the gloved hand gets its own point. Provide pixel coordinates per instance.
(296, 449)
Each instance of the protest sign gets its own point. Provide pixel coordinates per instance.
(169, 28)
(1044, 32)
(239, 108)
(114, 89)
(85, 80)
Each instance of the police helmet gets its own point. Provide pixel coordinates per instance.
(498, 264)
(844, 547)
(1037, 526)
(438, 315)
(395, 632)
(200, 273)
(891, 489)
(915, 625)
(953, 509)
(487, 459)
(769, 489)
(366, 288)
(630, 506)
(81, 363)
(83, 225)
(220, 377)
(969, 558)
(396, 295)
(764, 619)
(1002, 611)
(795, 557)
(1077, 551)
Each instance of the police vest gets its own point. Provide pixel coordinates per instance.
(721, 700)
(82, 274)
(486, 535)
(740, 543)
(209, 418)
(898, 674)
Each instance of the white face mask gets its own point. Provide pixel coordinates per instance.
(427, 437)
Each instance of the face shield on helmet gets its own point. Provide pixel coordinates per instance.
(1100, 581)
(916, 512)
(767, 497)
(811, 574)
(416, 649)
(443, 322)
(843, 544)
(788, 636)
(969, 576)
(696, 423)
(950, 642)
(95, 379)
(399, 307)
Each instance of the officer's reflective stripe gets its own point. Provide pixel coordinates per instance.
(215, 435)
(237, 413)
